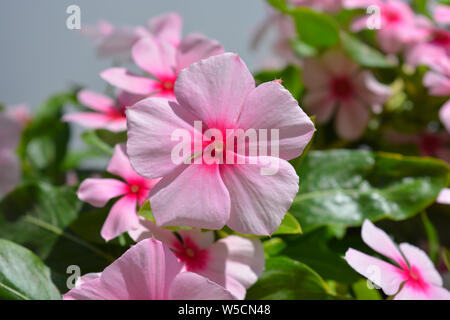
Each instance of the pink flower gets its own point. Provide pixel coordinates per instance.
(163, 61)
(220, 92)
(399, 25)
(20, 113)
(413, 271)
(336, 83)
(442, 14)
(10, 131)
(112, 41)
(438, 79)
(323, 5)
(147, 271)
(97, 192)
(234, 262)
(109, 114)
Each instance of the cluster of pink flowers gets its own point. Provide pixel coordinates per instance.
(192, 79)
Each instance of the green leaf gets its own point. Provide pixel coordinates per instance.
(363, 292)
(273, 246)
(91, 138)
(302, 49)
(287, 279)
(290, 77)
(433, 237)
(345, 187)
(363, 54)
(289, 225)
(23, 276)
(447, 258)
(315, 29)
(280, 5)
(146, 212)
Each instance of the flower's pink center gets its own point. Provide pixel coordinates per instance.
(341, 88)
(413, 278)
(166, 85)
(134, 188)
(440, 38)
(430, 144)
(191, 255)
(391, 15)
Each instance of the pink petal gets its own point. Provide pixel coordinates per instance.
(128, 99)
(119, 165)
(147, 229)
(442, 14)
(370, 90)
(122, 217)
(98, 192)
(194, 48)
(205, 203)
(338, 64)
(96, 121)
(215, 89)
(438, 84)
(155, 57)
(271, 106)
(202, 239)
(125, 80)
(191, 286)
(10, 131)
(91, 290)
(444, 115)
(96, 101)
(315, 76)
(259, 202)
(167, 27)
(444, 196)
(10, 171)
(379, 241)
(438, 293)
(87, 277)
(410, 292)
(381, 273)
(419, 259)
(151, 123)
(319, 104)
(351, 119)
(118, 42)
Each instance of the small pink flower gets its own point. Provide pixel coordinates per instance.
(438, 79)
(10, 131)
(335, 83)
(413, 271)
(442, 14)
(220, 92)
(163, 61)
(234, 262)
(20, 113)
(147, 271)
(399, 25)
(97, 192)
(109, 114)
(323, 5)
(116, 42)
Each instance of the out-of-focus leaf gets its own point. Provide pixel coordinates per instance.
(421, 6)
(91, 138)
(363, 292)
(23, 276)
(447, 258)
(289, 225)
(344, 187)
(363, 54)
(273, 246)
(314, 28)
(279, 5)
(433, 238)
(287, 279)
(302, 49)
(73, 159)
(290, 78)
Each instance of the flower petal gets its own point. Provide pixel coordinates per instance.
(191, 286)
(438, 84)
(194, 48)
(215, 89)
(96, 121)
(191, 196)
(10, 131)
(444, 196)
(444, 115)
(319, 104)
(351, 119)
(10, 171)
(271, 106)
(96, 101)
(98, 192)
(147, 229)
(167, 27)
(202, 239)
(128, 81)
(122, 217)
(120, 165)
(259, 202)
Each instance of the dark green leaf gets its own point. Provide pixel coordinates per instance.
(290, 78)
(289, 225)
(433, 237)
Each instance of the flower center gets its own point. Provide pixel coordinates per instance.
(167, 85)
(134, 188)
(440, 38)
(430, 144)
(391, 16)
(341, 88)
(191, 255)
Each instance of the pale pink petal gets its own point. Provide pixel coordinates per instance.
(215, 89)
(370, 90)
(191, 286)
(338, 64)
(167, 27)
(98, 192)
(259, 202)
(318, 103)
(9, 171)
(351, 119)
(154, 120)
(282, 113)
(444, 196)
(438, 84)
(125, 80)
(381, 273)
(120, 165)
(155, 57)
(444, 115)
(442, 14)
(96, 101)
(194, 48)
(10, 131)
(91, 290)
(409, 292)
(87, 277)
(438, 293)
(118, 42)
(315, 76)
(93, 120)
(202, 239)
(122, 217)
(359, 24)
(147, 229)
(419, 259)
(191, 196)
(379, 241)
(117, 125)
(128, 99)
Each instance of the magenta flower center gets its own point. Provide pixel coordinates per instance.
(414, 278)
(391, 16)
(134, 188)
(341, 88)
(166, 85)
(430, 144)
(191, 255)
(440, 38)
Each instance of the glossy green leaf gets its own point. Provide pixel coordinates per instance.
(310, 24)
(289, 225)
(23, 276)
(280, 5)
(364, 54)
(290, 78)
(273, 246)
(344, 187)
(364, 292)
(447, 258)
(287, 279)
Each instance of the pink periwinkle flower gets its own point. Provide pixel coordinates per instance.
(108, 114)
(220, 93)
(117, 41)
(398, 27)
(442, 14)
(10, 131)
(134, 190)
(323, 5)
(437, 80)
(20, 113)
(147, 271)
(163, 61)
(411, 277)
(234, 262)
(337, 85)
